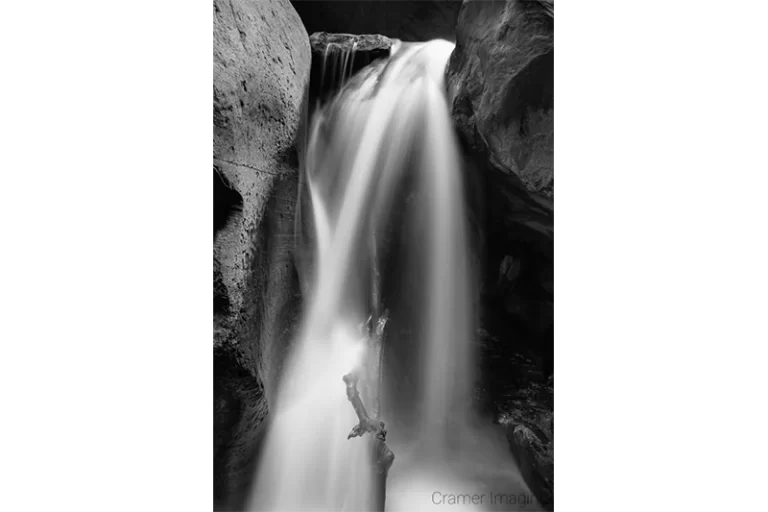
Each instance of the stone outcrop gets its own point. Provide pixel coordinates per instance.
(501, 81)
(261, 65)
(521, 398)
(500, 85)
(336, 57)
(409, 20)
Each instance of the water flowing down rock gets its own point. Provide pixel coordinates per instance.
(376, 225)
(385, 138)
(336, 57)
(261, 63)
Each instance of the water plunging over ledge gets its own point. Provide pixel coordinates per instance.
(381, 157)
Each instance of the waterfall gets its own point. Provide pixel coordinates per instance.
(382, 152)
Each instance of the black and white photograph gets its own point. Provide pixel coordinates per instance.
(383, 255)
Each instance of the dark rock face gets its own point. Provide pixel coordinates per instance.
(261, 60)
(500, 80)
(521, 399)
(409, 20)
(336, 57)
(534, 452)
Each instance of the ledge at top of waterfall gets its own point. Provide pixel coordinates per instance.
(407, 62)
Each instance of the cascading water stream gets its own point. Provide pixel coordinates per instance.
(388, 129)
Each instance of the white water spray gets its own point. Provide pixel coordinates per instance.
(388, 127)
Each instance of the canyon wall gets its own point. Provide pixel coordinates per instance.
(501, 89)
(261, 64)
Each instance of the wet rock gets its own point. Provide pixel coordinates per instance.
(261, 64)
(535, 457)
(375, 44)
(505, 368)
(261, 70)
(528, 421)
(509, 270)
(501, 82)
(336, 57)
(240, 408)
(500, 86)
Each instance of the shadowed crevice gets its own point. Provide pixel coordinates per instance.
(227, 202)
(239, 410)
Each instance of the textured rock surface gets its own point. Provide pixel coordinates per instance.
(261, 64)
(529, 421)
(363, 43)
(500, 83)
(521, 398)
(409, 20)
(534, 452)
(335, 57)
(500, 80)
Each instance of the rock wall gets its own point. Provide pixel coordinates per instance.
(500, 84)
(337, 57)
(261, 64)
(501, 79)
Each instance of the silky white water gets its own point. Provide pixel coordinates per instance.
(388, 128)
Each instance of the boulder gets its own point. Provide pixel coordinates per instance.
(526, 414)
(261, 65)
(534, 454)
(501, 82)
